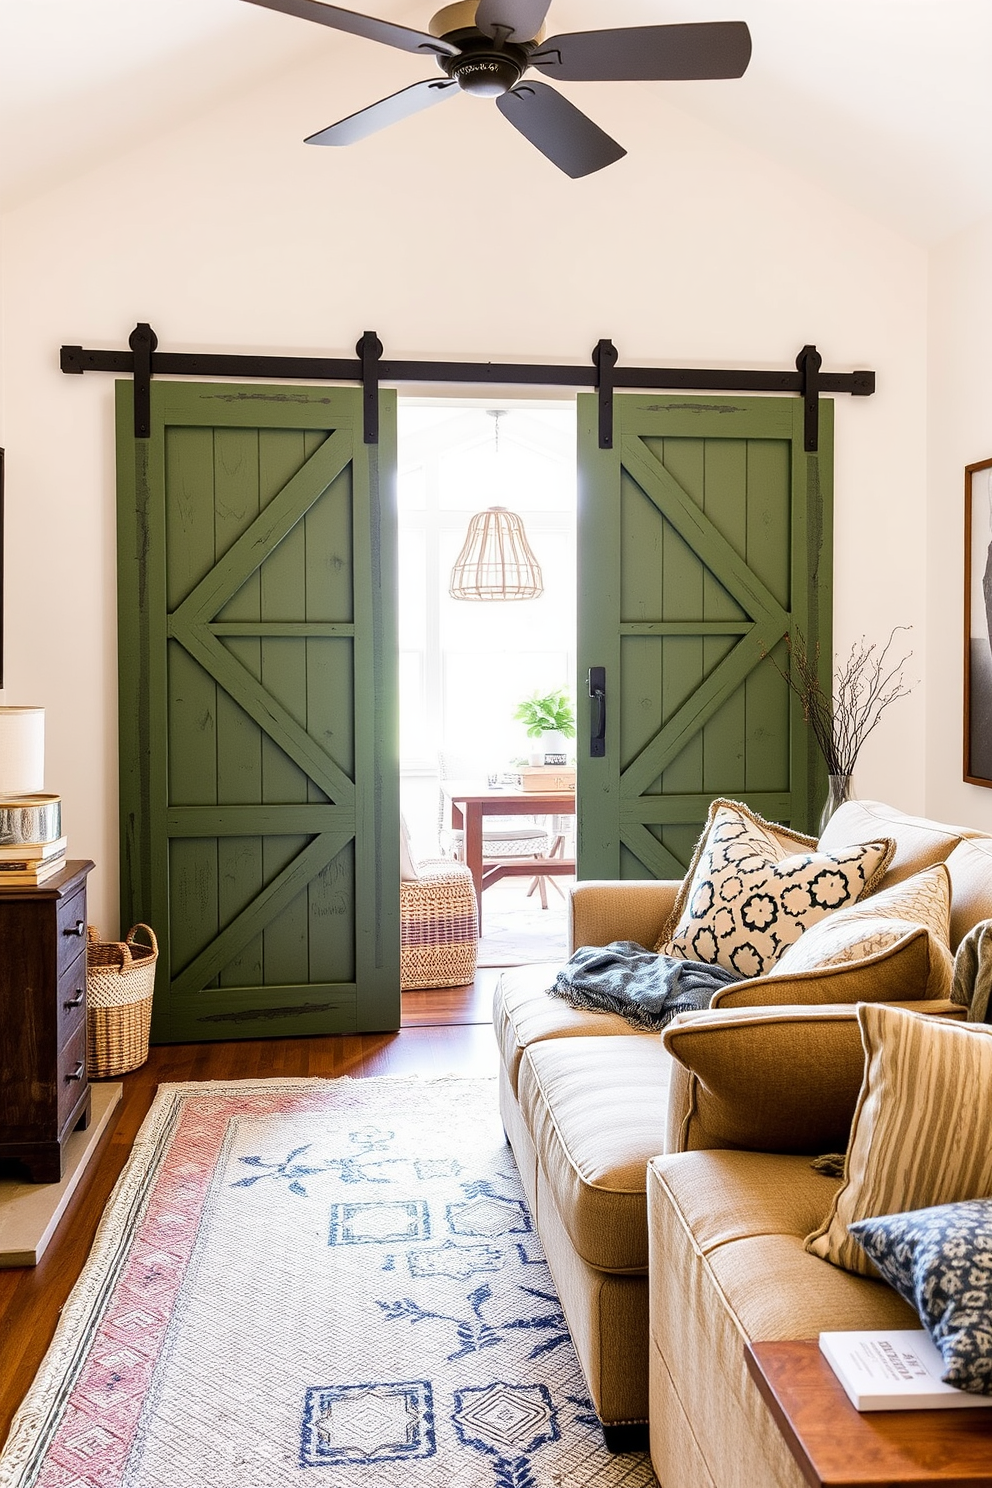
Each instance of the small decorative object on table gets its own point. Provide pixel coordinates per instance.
(863, 687)
(120, 980)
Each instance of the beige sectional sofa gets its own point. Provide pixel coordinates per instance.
(588, 1103)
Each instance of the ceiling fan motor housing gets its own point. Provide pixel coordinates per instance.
(482, 68)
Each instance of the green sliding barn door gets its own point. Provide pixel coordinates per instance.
(258, 739)
(704, 539)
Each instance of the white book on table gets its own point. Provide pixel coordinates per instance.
(899, 1369)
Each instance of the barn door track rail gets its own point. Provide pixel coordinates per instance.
(144, 361)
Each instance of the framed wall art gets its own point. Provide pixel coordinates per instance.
(978, 623)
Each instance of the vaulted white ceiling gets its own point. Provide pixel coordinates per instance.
(884, 102)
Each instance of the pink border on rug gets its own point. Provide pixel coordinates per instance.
(93, 1440)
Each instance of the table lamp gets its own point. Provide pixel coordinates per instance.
(27, 814)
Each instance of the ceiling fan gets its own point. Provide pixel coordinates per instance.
(486, 46)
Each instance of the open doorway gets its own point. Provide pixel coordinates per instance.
(465, 667)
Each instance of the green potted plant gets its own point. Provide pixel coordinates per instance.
(550, 720)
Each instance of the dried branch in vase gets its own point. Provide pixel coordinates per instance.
(863, 687)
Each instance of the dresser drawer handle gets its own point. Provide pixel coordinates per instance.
(76, 1001)
(76, 1074)
(78, 929)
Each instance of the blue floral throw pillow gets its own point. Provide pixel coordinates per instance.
(940, 1260)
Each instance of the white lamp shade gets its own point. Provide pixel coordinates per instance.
(22, 751)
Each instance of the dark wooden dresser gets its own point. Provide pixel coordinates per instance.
(44, 1094)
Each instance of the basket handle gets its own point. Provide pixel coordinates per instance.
(118, 946)
(150, 932)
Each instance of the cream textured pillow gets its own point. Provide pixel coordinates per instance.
(921, 1130)
(753, 888)
(879, 923)
(899, 962)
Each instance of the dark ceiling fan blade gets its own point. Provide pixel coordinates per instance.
(517, 20)
(361, 25)
(703, 49)
(558, 129)
(391, 110)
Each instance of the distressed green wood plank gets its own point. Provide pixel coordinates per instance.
(811, 556)
(684, 580)
(725, 498)
(330, 559)
(240, 868)
(258, 406)
(282, 575)
(257, 820)
(194, 910)
(259, 914)
(681, 417)
(687, 628)
(306, 1011)
(597, 644)
(691, 808)
(310, 629)
(376, 740)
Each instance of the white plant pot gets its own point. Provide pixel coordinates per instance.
(554, 748)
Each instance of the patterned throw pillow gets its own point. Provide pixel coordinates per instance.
(940, 1260)
(753, 888)
(920, 1133)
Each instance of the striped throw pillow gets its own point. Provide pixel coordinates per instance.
(920, 1131)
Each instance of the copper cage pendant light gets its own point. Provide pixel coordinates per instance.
(496, 561)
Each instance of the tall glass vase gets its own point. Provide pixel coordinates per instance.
(839, 790)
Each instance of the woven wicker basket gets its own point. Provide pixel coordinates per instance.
(439, 927)
(120, 979)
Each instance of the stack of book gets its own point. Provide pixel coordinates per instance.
(30, 863)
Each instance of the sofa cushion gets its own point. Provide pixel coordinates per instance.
(919, 841)
(920, 1132)
(970, 867)
(727, 1264)
(750, 1073)
(753, 889)
(940, 1260)
(596, 1110)
(524, 1014)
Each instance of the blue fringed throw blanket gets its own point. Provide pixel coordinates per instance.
(645, 988)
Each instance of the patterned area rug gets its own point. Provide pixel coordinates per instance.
(307, 1281)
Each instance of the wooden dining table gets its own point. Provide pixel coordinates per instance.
(470, 803)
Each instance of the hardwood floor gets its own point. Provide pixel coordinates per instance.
(444, 1032)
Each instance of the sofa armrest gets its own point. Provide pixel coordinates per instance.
(601, 910)
(769, 1079)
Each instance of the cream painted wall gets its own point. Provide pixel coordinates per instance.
(960, 434)
(451, 237)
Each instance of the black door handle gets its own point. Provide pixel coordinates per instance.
(597, 691)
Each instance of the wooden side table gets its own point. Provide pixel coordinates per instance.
(44, 1092)
(837, 1446)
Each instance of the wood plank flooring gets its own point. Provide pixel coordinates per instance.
(444, 1032)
